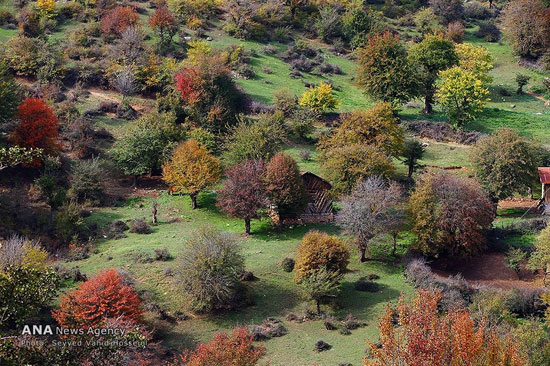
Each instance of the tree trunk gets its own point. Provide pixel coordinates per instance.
(428, 102)
(247, 225)
(135, 181)
(154, 213)
(394, 244)
(362, 254)
(411, 170)
(318, 304)
(193, 200)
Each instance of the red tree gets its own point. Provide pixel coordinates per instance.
(224, 350)
(243, 193)
(416, 335)
(94, 301)
(117, 20)
(186, 82)
(37, 127)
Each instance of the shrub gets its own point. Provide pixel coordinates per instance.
(320, 284)
(448, 10)
(305, 155)
(526, 23)
(288, 264)
(522, 80)
(224, 350)
(162, 255)
(103, 297)
(285, 101)
(68, 221)
(329, 23)
(209, 268)
(488, 31)
(319, 99)
(320, 250)
(139, 226)
(476, 10)
(455, 32)
(191, 170)
(87, 183)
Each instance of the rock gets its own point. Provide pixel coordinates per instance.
(209, 39)
(321, 346)
(512, 106)
(187, 38)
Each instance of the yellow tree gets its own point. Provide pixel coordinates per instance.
(319, 98)
(477, 60)
(45, 7)
(191, 170)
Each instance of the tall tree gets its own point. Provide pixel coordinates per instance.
(191, 169)
(243, 193)
(450, 215)
(284, 185)
(9, 95)
(384, 70)
(505, 163)
(413, 151)
(165, 24)
(432, 55)
(365, 213)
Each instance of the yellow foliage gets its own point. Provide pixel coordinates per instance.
(46, 6)
(197, 51)
(319, 98)
(194, 23)
(191, 169)
(477, 60)
(320, 250)
(34, 256)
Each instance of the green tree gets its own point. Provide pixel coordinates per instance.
(413, 151)
(320, 285)
(384, 70)
(505, 163)
(432, 55)
(462, 95)
(522, 80)
(540, 259)
(514, 258)
(9, 95)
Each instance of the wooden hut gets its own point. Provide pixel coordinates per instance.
(544, 178)
(319, 207)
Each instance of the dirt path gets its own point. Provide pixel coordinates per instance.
(539, 97)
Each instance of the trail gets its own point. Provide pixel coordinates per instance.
(539, 97)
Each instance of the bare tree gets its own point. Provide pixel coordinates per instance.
(130, 48)
(368, 211)
(125, 82)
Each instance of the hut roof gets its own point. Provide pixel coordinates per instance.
(306, 173)
(544, 175)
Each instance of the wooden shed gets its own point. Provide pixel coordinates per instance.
(544, 178)
(319, 207)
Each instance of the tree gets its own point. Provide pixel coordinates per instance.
(348, 165)
(103, 297)
(514, 258)
(448, 10)
(255, 140)
(462, 95)
(477, 60)
(417, 334)
(236, 349)
(319, 250)
(432, 55)
(504, 163)
(209, 266)
(9, 95)
(328, 24)
(426, 21)
(126, 83)
(87, 183)
(319, 98)
(118, 19)
(527, 24)
(37, 126)
(27, 283)
(149, 141)
(320, 284)
(384, 70)
(165, 24)
(540, 258)
(522, 80)
(243, 193)
(365, 213)
(284, 185)
(358, 22)
(449, 215)
(378, 126)
(211, 98)
(413, 151)
(191, 170)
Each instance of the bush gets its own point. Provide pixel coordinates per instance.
(320, 250)
(476, 10)
(87, 181)
(288, 264)
(139, 226)
(209, 268)
(98, 299)
(455, 32)
(162, 255)
(488, 31)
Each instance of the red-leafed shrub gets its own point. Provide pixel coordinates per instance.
(118, 19)
(164, 23)
(103, 297)
(37, 127)
(236, 349)
(186, 82)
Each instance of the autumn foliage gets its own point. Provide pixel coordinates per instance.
(164, 23)
(416, 335)
(37, 127)
(236, 349)
(243, 193)
(96, 300)
(118, 19)
(191, 169)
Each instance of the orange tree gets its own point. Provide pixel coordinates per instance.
(236, 349)
(98, 299)
(417, 335)
(37, 126)
(118, 19)
(165, 24)
(320, 250)
(191, 169)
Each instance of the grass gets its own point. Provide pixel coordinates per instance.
(275, 293)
